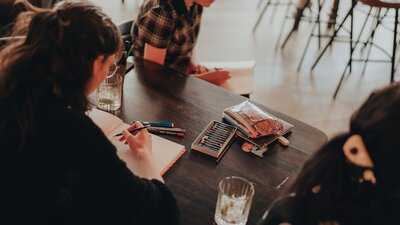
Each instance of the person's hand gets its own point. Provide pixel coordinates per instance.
(140, 145)
(217, 76)
(139, 142)
(198, 69)
(194, 68)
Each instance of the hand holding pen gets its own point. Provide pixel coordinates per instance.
(140, 144)
(133, 130)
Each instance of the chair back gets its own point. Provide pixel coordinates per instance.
(125, 30)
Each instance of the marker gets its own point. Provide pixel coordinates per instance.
(158, 124)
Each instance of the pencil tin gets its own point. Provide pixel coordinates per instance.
(215, 139)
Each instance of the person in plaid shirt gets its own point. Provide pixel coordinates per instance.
(166, 31)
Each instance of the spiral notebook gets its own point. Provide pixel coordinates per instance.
(165, 151)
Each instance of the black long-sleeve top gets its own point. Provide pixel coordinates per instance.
(67, 172)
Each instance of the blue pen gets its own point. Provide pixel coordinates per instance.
(158, 124)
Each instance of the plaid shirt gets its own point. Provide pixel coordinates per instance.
(163, 25)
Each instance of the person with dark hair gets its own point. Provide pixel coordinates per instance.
(354, 178)
(56, 165)
(166, 31)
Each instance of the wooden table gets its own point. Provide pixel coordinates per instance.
(155, 93)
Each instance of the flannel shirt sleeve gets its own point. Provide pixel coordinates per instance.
(156, 28)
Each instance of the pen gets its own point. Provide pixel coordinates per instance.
(170, 129)
(158, 124)
(131, 131)
(180, 134)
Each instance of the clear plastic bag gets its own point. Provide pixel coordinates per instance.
(252, 120)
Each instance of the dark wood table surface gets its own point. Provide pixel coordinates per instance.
(155, 93)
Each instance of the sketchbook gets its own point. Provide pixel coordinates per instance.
(241, 80)
(165, 151)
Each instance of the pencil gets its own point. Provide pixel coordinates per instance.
(223, 153)
(131, 131)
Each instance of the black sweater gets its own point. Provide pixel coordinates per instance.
(69, 173)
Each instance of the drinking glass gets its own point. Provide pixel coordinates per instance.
(234, 201)
(109, 93)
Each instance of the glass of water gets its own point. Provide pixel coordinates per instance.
(109, 93)
(234, 201)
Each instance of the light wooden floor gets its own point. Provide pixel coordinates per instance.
(226, 35)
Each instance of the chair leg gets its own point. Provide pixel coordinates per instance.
(351, 50)
(261, 15)
(351, 37)
(286, 39)
(306, 48)
(319, 23)
(333, 14)
(394, 44)
(364, 25)
(371, 39)
(283, 25)
(334, 35)
(376, 22)
(341, 81)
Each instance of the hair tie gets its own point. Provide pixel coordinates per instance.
(357, 155)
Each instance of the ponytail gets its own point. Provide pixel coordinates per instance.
(54, 60)
(324, 168)
(321, 182)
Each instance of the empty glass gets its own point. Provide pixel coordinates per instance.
(109, 93)
(234, 201)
